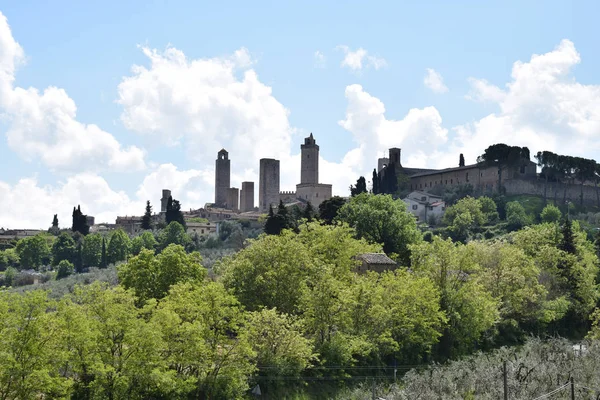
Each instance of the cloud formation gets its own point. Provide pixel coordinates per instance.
(360, 58)
(320, 61)
(43, 125)
(434, 81)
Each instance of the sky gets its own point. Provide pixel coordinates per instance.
(104, 104)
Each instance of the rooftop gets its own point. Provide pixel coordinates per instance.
(375, 258)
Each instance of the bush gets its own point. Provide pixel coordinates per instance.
(551, 213)
(65, 268)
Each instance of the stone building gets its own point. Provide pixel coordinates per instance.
(222, 177)
(425, 206)
(130, 224)
(233, 198)
(377, 262)
(247, 197)
(200, 228)
(268, 184)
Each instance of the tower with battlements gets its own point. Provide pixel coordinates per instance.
(309, 164)
(222, 177)
(166, 193)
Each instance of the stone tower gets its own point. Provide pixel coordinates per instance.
(222, 177)
(394, 157)
(309, 165)
(166, 193)
(268, 184)
(247, 197)
(233, 198)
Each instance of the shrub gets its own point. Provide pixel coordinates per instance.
(65, 268)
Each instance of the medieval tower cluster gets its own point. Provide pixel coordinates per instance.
(308, 190)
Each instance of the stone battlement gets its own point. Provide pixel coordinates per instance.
(287, 193)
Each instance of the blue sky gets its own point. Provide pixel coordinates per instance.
(89, 48)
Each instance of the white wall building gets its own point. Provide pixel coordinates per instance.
(425, 206)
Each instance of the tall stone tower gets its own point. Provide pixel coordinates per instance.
(394, 157)
(166, 193)
(222, 177)
(233, 199)
(309, 165)
(268, 184)
(247, 197)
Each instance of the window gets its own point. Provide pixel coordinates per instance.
(430, 208)
(467, 177)
(430, 184)
(451, 181)
(423, 198)
(317, 194)
(414, 207)
(446, 181)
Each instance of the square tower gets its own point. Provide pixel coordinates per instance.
(309, 164)
(268, 184)
(247, 197)
(233, 196)
(222, 177)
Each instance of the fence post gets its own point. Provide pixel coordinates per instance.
(504, 373)
(572, 389)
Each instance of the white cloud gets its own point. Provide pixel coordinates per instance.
(356, 60)
(43, 126)
(320, 61)
(206, 105)
(420, 133)
(542, 107)
(434, 81)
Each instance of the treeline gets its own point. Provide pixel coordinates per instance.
(289, 308)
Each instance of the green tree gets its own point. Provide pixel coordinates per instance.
(55, 221)
(279, 343)
(151, 277)
(308, 212)
(361, 187)
(147, 218)
(489, 210)
(79, 258)
(29, 348)
(470, 309)
(208, 355)
(551, 213)
(103, 256)
(461, 160)
(145, 241)
(375, 189)
(65, 268)
(174, 233)
(328, 209)
(9, 258)
(91, 252)
(275, 223)
(33, 251)
(173, 212)
(63, 248)
(516, 217)
(118, 247)
(381, 219)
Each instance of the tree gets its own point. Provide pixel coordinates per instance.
(30, 348)
(489, 210)
(202, 326)
(118, 247)
(174, 233)
(361, 187)
(567, 242)
(55, 221)
(147, 218)
(466, 216)
(103, 256)
(173, 212)
(381, 219)
(92, 250)
(145, 241)
(63, 248)
(516, 217)
(33, 251)
(461, 160)
(151, 277)
(551, 213)
(375, 189)
(65, 268)
(328, 209)
(309, 212)
(275, 223)
(80, 221)
(278, 341)
(79, 258)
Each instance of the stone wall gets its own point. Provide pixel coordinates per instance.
(316, 193)
(554, 191)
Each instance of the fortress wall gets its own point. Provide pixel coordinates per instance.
(554, 190)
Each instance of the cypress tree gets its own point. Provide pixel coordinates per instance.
(169, 210)
(375, 182)
(461, 160)
(309, 211)
(273, 224)
(79, 259)
(147, 219)
(55, 221)
(103, 261)
(567, 243)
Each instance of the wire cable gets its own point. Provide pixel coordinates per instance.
(558, 389)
